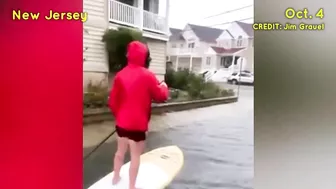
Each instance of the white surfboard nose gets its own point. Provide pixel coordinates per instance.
(157, 169)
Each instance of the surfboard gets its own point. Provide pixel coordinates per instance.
(157, 169)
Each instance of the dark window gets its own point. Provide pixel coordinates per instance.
(191, 45)
(239, 41)
(244, 75)
(234, 74)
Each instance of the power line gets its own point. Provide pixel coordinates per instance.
(230, 22)
(226, 12)
(229, 11)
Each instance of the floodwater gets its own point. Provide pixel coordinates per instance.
(217, 143)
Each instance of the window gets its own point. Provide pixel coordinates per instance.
(244, 75)
(240, 41)
(228, 44)
(173, 45)
(222, 62)
(181, 45)
(234, 74)
(226, 61)
(208, 60)
(191, 45)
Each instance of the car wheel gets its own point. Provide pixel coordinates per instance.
(235, 82)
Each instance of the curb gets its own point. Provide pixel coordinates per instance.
(104, 114)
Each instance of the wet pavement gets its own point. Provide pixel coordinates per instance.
(217, 143)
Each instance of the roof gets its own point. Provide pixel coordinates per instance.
(229, 33)
(176, 34)
(247, 28)
(224, 50)
(206, 34)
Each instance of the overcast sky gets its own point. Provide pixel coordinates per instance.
(194, 11)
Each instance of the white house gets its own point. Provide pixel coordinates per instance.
(200, 48)
(148, 16)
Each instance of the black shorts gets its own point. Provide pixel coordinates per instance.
(136, 136)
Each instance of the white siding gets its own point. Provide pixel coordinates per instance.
(174, 46)
(212, 65)
(190, 36)
(224, 40)
(204, 47)
(95, 55)
(236, 31)
(158, 54)
(95, 8)
(248, 54)
(183, 63)
(224, 35)
(196, 65)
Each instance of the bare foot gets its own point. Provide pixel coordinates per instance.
(115, 180)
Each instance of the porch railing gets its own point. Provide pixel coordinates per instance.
(131, 16)
(123, 14)
(186, 51)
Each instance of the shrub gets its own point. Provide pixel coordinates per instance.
(174, 93)
(227, 92)
(116, 42)
(96, 95)
(210, 90)
(194, 85)
(180, 79)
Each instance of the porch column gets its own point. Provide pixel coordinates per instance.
(176, 63)
(167, 15)
(141, 12)
(190, 64)
(233, 60)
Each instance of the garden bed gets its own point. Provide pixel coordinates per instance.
(184, 86)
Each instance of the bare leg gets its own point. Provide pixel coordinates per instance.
(119, 158)
(136, 149)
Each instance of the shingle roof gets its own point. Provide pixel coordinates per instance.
(247, 28)
(206, 34)
(176, 34)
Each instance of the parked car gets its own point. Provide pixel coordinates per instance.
(241, 78)
(248, 72)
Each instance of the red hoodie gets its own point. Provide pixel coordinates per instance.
(133, 90)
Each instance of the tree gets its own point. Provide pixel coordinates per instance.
(116, 42)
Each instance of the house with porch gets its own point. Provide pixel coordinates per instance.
(237, 36)
(148, 16)
(200, 48)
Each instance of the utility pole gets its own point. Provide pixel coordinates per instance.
(240, 70)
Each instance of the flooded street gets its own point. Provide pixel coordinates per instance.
(217, 143)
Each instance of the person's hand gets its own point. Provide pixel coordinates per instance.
(163, 84)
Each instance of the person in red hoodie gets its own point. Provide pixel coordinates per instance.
(130, 101)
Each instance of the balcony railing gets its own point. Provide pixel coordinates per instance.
(154, 22)
(185, 51)
(131, 16)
